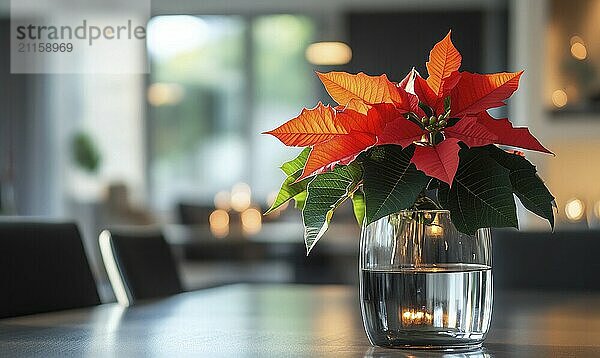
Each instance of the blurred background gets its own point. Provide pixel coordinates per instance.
(180, 147)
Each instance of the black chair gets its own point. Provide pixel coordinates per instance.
(193, 214)
(139, 264)
(43, 268)
(564, 260)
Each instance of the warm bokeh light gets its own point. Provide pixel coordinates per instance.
(574, 209)
(241, 197)
(597, 210)
(435, 230)
(328, 53)
(165, 94)
(251, 221)
(559, 98)
(222, 200)
(579, 51)
(414, 317)
(219, 223)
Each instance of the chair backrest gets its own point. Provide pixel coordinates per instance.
(193, 214)
(43, 268)
(140, 265)
(564, 260)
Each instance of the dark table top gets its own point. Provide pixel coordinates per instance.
(289, 321)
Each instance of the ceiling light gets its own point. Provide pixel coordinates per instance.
(328, 53)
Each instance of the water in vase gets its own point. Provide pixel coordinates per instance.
(427, 306)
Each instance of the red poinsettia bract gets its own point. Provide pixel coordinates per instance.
(434, 114)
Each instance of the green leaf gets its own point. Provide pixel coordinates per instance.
(391, 182)
(289, 188)
(424, 202)
(526, 184)
(326, 192)
(358, 205)
(416, 120)
(297, 164)
(481, 194)
(300, 200)
(426, 109)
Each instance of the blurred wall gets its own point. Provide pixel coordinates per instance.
(572, 137)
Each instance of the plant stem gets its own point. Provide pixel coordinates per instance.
(424, 202)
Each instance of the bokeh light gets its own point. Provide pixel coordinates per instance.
(579, 51)
(328, 53)
(165, 94)
(222, 200)
(241, 197)
(559, 98)
(575, 209)
(251, 221)
(219, 223)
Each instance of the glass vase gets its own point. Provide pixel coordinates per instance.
(423, 284)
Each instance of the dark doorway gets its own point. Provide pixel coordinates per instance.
(392, 43)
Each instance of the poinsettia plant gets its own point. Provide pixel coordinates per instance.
(421, 143)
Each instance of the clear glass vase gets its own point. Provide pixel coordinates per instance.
(423, 284)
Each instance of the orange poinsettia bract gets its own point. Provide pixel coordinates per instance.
(434, 114)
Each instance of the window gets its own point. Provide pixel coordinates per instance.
(212, 91)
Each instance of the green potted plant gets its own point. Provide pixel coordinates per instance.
(85, 153)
